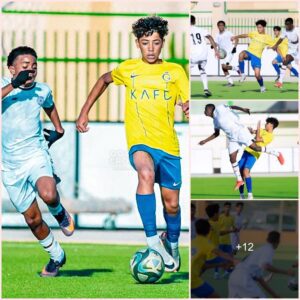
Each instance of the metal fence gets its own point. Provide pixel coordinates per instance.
(71, 62)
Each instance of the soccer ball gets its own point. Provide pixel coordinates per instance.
(222, 53)
(293, 284)
(147, 266)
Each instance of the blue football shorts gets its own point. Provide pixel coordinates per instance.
(167, 167)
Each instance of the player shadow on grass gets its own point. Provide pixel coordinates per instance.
(199, 96)
(82, 273)
(175, 277)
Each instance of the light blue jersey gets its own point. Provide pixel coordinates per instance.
(22, 134)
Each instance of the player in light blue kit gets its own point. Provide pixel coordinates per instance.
(27, 169)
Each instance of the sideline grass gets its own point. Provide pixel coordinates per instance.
(91, 271)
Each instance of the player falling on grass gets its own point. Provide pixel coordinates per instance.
(223, 40)
(199, 51)
(258, 41)
(216, 232)
(202, 248)
(263, 138)
(292, 34)
(237, 134)
(282, 51)
(239, 223)
(27, 169)
(153, 88)
(248, 278)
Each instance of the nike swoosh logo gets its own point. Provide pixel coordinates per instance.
(175, 184)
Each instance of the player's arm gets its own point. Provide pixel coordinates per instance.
(20, 79)
(224, 232)
(213, 44)
(99, 88)
(52, 136)
(265, 286)
(258, 137)
(210, 138)
(273, 269)
(245, 110)
(186, 108)
(277, 44)
(240, 36)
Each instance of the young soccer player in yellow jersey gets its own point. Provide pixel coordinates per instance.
(249, 157)
(282, 51)
(153, 88)
(202, 249)
(259, 40)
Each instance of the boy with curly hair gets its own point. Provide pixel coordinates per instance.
(153, 88)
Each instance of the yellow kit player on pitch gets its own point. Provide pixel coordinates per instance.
(153, 88)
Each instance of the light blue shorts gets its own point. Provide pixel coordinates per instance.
(20, 182)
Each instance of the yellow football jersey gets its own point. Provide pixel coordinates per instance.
(267, 139)
(283, 46)
(202, 249)
(226, 223)
(214, 235)
(259, 42)
(152, 90)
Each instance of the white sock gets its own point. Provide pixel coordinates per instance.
(204, 80)
(236, 171)
(152, 240)
(229, 79)
(282, 73)
(270, 151)
(52, 247)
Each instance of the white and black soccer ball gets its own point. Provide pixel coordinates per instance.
(147, 266)
(293, 284)
(222, 53)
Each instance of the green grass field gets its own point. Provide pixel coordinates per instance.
(284, 258)
(245, 90)
(91, 271)
(263, 188)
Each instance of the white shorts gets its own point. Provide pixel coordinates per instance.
(241, 285)
(195, 58)
(20, 182)
(227, 60)
(238, 139)
(293, 52)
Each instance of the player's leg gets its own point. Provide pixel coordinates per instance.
(242, 57)
(259, 79)
(144, 164)
(249, 163)
(269, 151)
(169, 179)
(233, 149)
(293, 70)
(226, 68)
(275, 64)
(45, 237)
(288, 60)
(242, 163)
(46, 187)
(203, 75)
(172, 216)
(248, 181)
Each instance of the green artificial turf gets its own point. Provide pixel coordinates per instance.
(263, 188)
(245, 90)
(91, 271)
